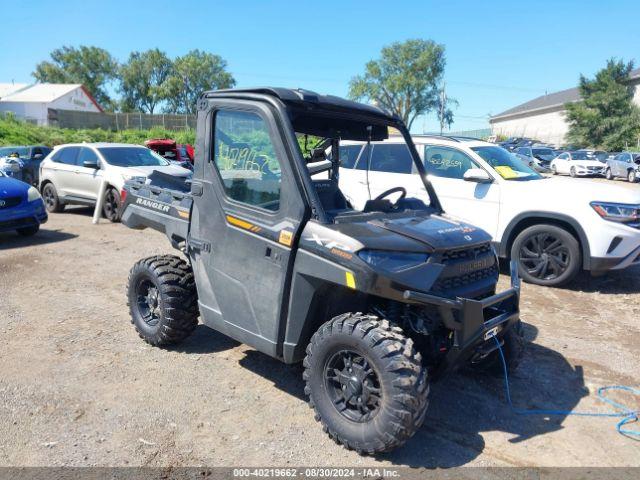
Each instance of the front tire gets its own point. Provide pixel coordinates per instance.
(111, 205)
(366, 383)
(51, 201)
(632, 176)
(572, 172)
(547, 255)
(28, 231)
(608, 174)
(162, 300)
(554, 170)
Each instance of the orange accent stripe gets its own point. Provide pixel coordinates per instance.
(239, 223)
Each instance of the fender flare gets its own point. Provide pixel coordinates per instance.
(508, 235)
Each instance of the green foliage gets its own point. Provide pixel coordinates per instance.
(15, 132)
(142, 80)
(404, 80)
(606, 117)
(91, 66)
(192, 74)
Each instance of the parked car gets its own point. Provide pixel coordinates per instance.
(30, 157)
(553, 227)
(21, 207)
(537, 157)
(515, 142)
(72, 174)
(177, 153)
(624, 165)
(576, 164)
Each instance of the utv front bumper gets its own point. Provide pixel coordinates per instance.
(473, 322)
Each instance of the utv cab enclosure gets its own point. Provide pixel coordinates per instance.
(377, 302)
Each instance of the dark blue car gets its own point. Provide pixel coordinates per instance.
(21, 207)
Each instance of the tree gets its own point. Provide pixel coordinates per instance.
(93, 67)
(606, 116)
(404, 80)
(192, 74)
(142, 80)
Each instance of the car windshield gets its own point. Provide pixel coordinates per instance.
(132, 157)
(507, 165)
(543, 151)
(580, 156)
(6, 151)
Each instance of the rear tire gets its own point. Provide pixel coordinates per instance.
(162, 300)
(513, 350)
(608, 174)
(51, 201)
(554, 170)
(111, 205)
(368, 412)
(547, 255)
(28, 231)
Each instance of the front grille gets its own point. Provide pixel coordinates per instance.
(466, 253)
(10, 202)
(454, 283)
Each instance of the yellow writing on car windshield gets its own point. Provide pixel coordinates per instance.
(506, 172)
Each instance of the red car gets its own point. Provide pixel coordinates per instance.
(172, 151)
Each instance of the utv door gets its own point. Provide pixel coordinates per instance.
(245, 220)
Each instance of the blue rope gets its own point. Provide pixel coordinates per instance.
(626, 414)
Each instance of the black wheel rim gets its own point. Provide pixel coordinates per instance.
(110, 205)
(49, 199)
(148, 302)
(544, 256)
(353, 386)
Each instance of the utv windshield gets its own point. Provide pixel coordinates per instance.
(506, 164)
(353, 172)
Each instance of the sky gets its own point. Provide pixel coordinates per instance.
(499, 53)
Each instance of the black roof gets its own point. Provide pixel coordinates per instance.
(301, 97)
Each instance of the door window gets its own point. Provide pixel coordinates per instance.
(349, 155)
(246, 160)
(66, 155)
(389, 157)
(446, 162)
(86, 155)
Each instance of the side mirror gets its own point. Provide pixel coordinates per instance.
(38, 156)
(91, 164)
(477, 175)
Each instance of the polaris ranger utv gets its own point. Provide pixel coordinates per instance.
(377, 303)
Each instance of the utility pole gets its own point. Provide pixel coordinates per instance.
(442, 107)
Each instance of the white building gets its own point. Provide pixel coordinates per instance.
(543, 118)
(32, 103)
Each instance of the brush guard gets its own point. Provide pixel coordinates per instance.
(474, 323)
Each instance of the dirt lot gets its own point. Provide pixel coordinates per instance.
(78, 387)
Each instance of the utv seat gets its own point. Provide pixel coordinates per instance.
(332, 200)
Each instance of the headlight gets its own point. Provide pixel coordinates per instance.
(33, 194)
(617, 212)
(392, 261)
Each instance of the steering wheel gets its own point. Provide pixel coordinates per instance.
(386, 193)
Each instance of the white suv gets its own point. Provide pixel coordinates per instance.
(73, 173)
(554, 227)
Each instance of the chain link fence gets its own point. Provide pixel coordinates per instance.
(118, 121)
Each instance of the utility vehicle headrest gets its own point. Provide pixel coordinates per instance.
(317, 155)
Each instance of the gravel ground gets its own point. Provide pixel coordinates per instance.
(78, 387)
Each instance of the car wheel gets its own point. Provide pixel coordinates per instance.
(51, 201)
(547, 255)
(111, 205)
(572, 172)
(632, 176)
(28, 231)
(608, 174)
(366, 382)
(554, 170)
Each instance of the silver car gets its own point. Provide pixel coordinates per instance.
(624, 165)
